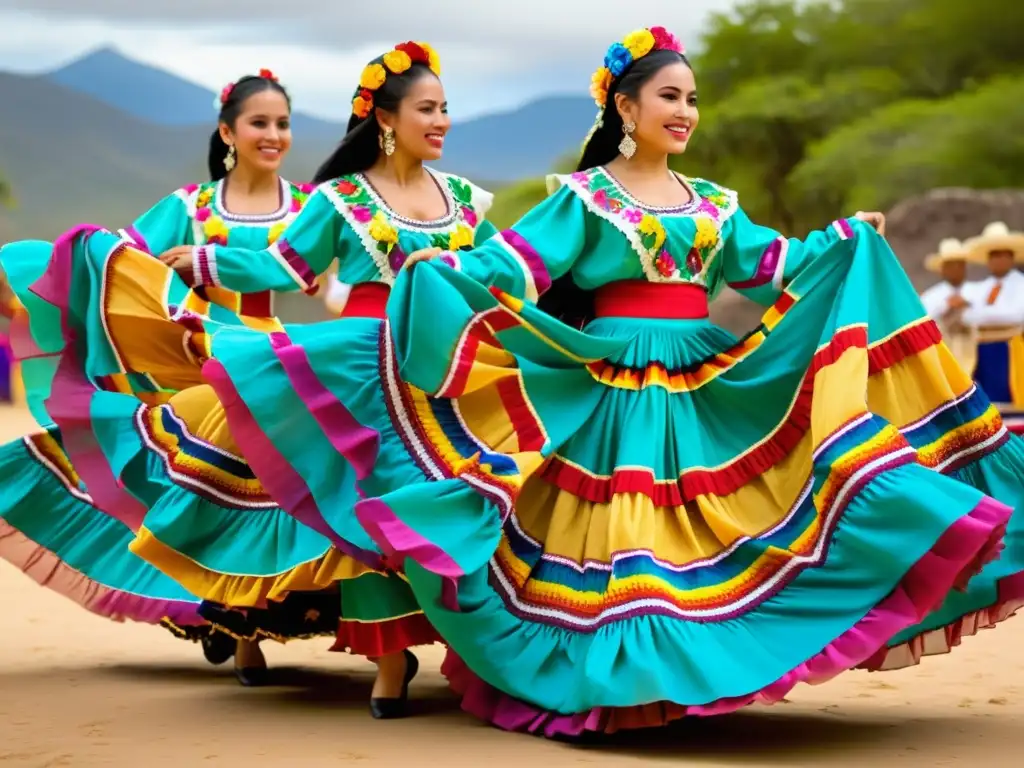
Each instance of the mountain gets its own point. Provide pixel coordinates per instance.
(519, 143)
(105, 137)
(512, 145)
(69, 159)
(138, 89)
(154, 95)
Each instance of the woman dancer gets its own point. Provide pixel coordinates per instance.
(376, 202)
(651, 518)
(245, 202)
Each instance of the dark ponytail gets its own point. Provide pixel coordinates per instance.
(360, 148)
(564, 299)
(230, 109)
(215, 158)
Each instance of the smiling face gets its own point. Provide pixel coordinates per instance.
(421, 121)
(262, 133)
(664, 110)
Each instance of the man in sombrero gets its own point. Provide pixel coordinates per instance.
(997, 314)
(946, 301)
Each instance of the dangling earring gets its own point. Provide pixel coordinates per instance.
(387, 141)
(229, 159)
(627, 146)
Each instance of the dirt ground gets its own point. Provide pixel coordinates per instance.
(77, 690)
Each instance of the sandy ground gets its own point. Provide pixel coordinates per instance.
(77, 690)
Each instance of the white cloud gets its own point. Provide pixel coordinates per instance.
(495, 55)
(518, 24)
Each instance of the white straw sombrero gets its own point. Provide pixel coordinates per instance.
(950, 249)
(995, 237)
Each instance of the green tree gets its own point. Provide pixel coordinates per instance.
(974, 138)
(757, 136)
(812, 109)
(778, 77)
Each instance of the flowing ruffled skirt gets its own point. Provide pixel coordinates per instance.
(114, 376)
(51, 530)
(651, 519)
(50, 526)
(612, 528)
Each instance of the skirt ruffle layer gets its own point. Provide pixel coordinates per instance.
(616, 528)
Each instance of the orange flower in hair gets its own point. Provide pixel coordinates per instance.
(599, 85)
(396, 61)
(362, 105)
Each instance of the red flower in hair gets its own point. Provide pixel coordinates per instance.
(266, 74)
(414, 52)
(226, 93)
(666, 41)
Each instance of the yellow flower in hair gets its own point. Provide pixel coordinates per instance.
(380, 229)
(462, 237)
(435, 60)
(639, 43)
(707, 234)
(373, 77)
(275, 232)
(397, 62)
(649, 225)
(599, 85)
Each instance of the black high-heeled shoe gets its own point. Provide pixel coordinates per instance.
(393, 708)
(252, 677)
(218, 647)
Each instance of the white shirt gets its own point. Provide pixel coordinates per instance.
(337, 294)
(1007, 309)
(936, 298)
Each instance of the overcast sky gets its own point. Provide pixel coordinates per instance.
(494, 54)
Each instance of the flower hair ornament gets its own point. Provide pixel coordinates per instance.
(395, 62)
(225, 92)
(620, 56)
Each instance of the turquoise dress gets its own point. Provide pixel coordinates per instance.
(649, 518)
(646, 518)
(175, 466)
(53, 528)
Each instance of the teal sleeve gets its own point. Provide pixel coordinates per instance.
(524, 259)
(164, 226)
(302, 252)
(759, 263)
(484, 230)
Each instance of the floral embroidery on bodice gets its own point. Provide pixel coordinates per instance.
(674, 244)
(389, 237)
(212, 223)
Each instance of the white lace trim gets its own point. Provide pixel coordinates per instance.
(380, 260)
(647, 256)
